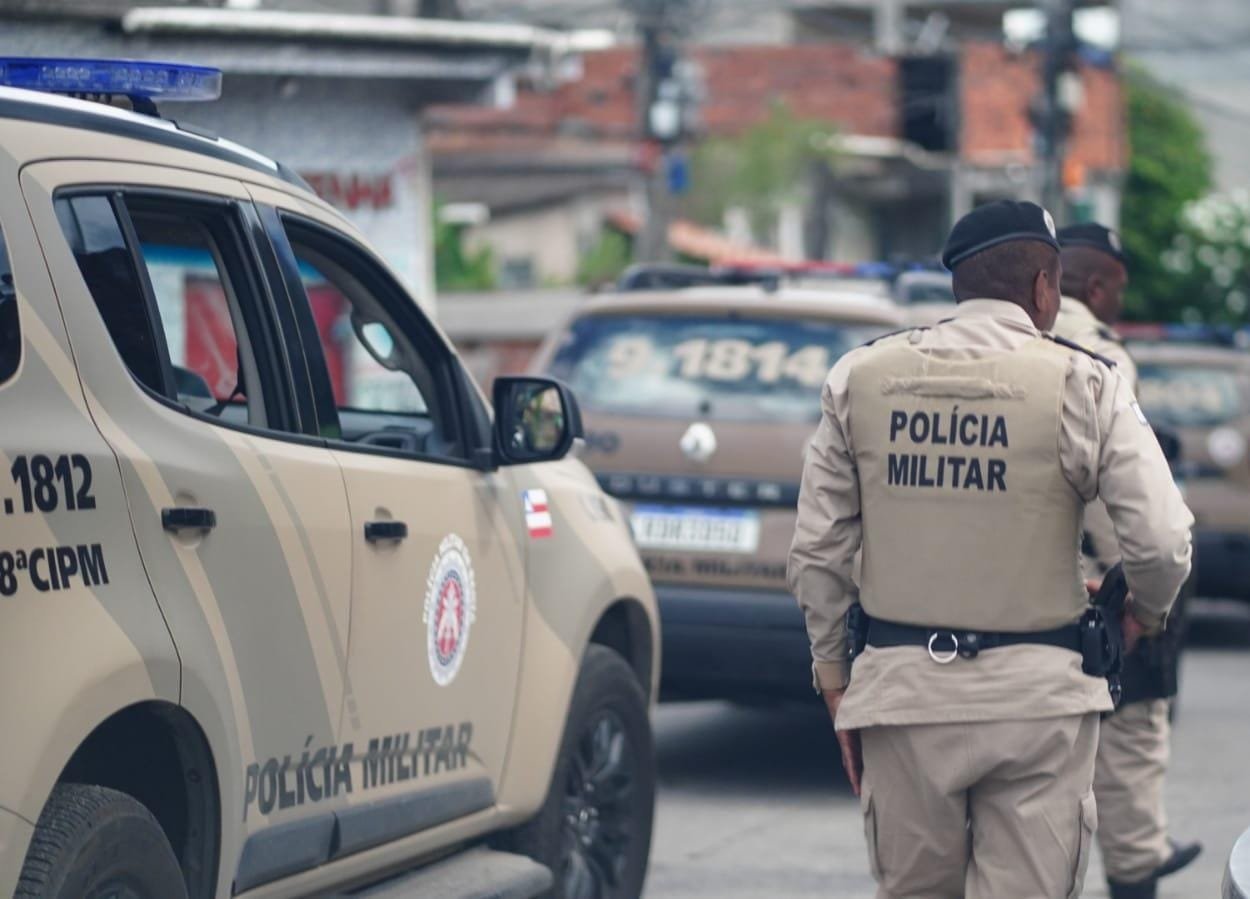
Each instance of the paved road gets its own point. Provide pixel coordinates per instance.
(752, 802)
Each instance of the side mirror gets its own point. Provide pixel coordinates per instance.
(536, 420)
(1170, 443)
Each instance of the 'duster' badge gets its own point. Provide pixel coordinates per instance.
(450, 607)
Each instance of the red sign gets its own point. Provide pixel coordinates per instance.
(353, 190)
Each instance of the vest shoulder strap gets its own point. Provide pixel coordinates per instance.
(1073, 345)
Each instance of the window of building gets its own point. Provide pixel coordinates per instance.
(10, 336)
(517, 273)
(928, 117)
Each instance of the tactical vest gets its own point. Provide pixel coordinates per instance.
(968, 520)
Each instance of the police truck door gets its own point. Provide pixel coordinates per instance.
(438, 580)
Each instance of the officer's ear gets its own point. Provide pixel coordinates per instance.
(1046, 295)
(1095, 290)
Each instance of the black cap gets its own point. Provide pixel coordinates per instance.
(1094, 235)
(995, 223)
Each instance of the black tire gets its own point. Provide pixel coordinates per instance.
(604, 833)
(96, 843)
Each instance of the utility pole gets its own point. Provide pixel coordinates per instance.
(888, 20)
(652, 241)
(663, 110)
(1052, 115)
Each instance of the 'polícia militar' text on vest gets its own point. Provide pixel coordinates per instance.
(957, 472)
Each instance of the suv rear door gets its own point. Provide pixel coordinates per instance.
(438, 580)
(242, 522)
(80, 633)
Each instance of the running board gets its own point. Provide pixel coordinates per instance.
(474, 874)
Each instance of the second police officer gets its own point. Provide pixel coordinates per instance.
(958, 459)
(1133, 745)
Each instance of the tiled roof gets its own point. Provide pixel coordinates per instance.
(697, 242)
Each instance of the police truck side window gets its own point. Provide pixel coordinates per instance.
(387, 371)
(10, 337)
(95, 235)
(193, 294)
(171, 296)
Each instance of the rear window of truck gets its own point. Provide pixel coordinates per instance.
(1182, 396)
(727, 367)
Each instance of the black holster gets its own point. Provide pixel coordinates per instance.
(1102, 633)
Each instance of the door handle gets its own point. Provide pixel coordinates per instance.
(385, 530)
(180, 518)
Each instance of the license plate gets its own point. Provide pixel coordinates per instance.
(696, 529)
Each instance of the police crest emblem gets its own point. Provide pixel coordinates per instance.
(450, 608)
(1049, 221)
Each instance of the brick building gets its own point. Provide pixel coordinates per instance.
(921, 139)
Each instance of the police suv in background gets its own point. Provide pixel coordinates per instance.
(230, 441)
(701, 391)
(1196, 383)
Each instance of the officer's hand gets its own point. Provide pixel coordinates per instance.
(848, 741)
(1133, 629)
(1092, 586)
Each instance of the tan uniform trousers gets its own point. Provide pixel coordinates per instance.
(1128, 781)
(985, 810)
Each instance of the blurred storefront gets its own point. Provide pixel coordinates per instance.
(337, 98)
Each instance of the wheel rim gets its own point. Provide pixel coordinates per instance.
(597, 828)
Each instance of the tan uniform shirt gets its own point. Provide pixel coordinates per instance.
(1105, 448)
(1076, 322)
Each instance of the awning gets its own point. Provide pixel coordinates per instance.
(340, 28)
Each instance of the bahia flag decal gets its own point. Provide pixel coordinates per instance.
(537, 514)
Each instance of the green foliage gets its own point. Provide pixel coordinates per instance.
(1210, 258)
(605, 261)
(758, 170)
(1168, 168)
(455, 267)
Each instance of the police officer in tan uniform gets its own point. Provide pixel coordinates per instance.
(1091, 299)
(1095, 274)
(957, 461)
(1133, 745)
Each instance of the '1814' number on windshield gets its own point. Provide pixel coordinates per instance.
(737, 360)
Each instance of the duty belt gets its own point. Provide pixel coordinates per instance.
(945, 644)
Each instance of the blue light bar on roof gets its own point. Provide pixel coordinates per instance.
(118, 77)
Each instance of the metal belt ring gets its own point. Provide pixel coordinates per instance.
(943, 659)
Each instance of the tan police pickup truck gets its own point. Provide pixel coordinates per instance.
(1201, 392)
(700, 401)
(282, 612)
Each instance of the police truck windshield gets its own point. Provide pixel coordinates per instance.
(1190, 397)
(722, 367)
